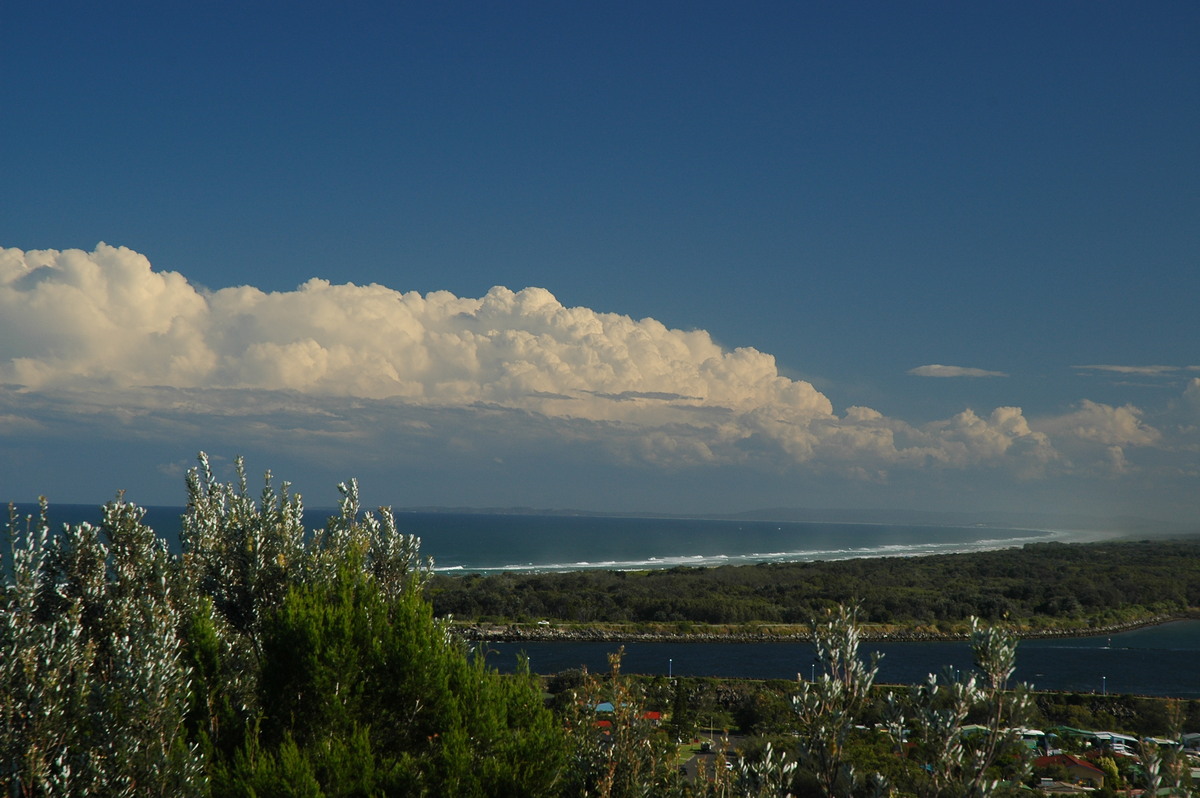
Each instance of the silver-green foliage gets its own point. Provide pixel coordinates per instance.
(97, 686)
(93, 689)
(391, 557)
(244, 554)
(241, 553)
(828, 708)
(769, 777)
(44, 666)
(1167, 767)
(629, 758)
(956, 758)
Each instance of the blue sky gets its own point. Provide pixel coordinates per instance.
(753, 231)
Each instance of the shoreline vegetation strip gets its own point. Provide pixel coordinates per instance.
(769, 633)
(1050, 590)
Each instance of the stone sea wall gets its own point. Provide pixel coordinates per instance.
(509, 633)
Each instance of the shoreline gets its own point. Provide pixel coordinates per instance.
(515, 633)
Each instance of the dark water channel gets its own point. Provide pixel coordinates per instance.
(1155, 661)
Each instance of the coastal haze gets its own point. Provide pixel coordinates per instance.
(680, 259)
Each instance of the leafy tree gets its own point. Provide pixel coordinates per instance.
(1112, 776)
(957, 761)
(620, 755)
(828, 708)
(46, 663)
(242, 554)
(93, 680)
(1166, 767)
(358, 690)
(263, 660)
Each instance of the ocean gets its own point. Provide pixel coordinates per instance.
(491, 543)
(495, 543)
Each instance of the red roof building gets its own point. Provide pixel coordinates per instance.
(1080, 769)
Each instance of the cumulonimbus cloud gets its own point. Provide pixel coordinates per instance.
(370, 362)
(74, 318)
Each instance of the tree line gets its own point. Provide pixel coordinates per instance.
(1037, 585)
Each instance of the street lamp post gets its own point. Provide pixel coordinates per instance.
(670, 668)
(1104, 685)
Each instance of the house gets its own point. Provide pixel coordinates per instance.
(1117, 743)
(1038, 740)
(1052, 787)
(1080, 769)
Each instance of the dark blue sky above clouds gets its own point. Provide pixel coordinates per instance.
(856, 193)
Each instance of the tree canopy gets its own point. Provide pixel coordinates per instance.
(263, 659)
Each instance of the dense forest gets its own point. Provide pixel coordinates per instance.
(1039, 586)
(270, 659)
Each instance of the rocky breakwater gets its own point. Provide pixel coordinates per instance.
(511, 633)
(517, 633)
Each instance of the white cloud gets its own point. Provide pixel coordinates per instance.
(1192, 392)
(1095, 438)
(935, 370)
(1102, 424)
(75, 318)
(1117, 463)
(975, 438)
(388, 374)
(1144, 371)
(1185, 417)
(71, 316)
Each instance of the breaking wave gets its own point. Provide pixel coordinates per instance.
(712, 557)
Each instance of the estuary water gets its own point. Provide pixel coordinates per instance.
(1159, 660)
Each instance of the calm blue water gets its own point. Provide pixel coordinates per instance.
(1156, 661)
